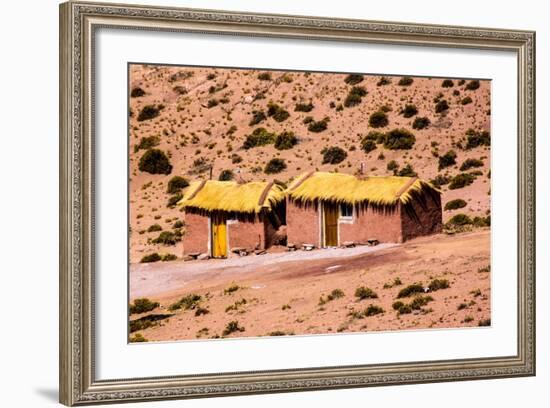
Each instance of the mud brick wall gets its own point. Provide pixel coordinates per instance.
(196, 236)
(372, 223)
(246, 234)
(424, 219)
(302, 224)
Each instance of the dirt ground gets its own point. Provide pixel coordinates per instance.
(288, 294)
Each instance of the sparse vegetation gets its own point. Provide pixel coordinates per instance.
(188, 302)
(459, 220)
(317, 126)
(176, 184)
(137, 92)
(438, 284)
(333, 155)
(154, 257)
(475, 139)
(373, 310)
(378, 119)
(368, 145)
(275, 166)
(155, 161)
(230, 289)
(166, 238)
(399, 139)
(472, 85)
(465, 101)
(285, 140)
(447, 83)
(448, 159)
(138, 338)
(149, 112)
(455, 204)
(383, 81)
(392, 165)
(409, 111)
(259, 137)
(257, 117)
(142, 305)
(353, 79)
(147, 143)
(174, 200)
(303, 107)
(232, 327)
(440, 180)
(355, 96)
(421, 123)
(264, 76)
(407, 171)
(277, 112)
(461, 180)
(410, 290)
(471, 163)
(405, 81)
(363, 292)
(441, 106)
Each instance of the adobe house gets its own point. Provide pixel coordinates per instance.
(223, 215)
(330, 209)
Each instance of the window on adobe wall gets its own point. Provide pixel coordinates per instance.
(346, 211)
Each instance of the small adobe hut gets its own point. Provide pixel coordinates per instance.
(330, 209)
(223, 215)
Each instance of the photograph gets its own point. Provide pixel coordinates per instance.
(283, 203)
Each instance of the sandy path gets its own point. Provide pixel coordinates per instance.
(158, 278)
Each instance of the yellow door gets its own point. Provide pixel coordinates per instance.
(219, 237)
(330, 225)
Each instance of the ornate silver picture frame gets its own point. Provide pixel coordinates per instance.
(78, 381)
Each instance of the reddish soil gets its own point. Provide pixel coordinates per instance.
(191, 126)
(284, 297)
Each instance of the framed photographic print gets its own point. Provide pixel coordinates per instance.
(259, 203)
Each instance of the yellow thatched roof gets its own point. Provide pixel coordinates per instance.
(230, 196)
(345, 188)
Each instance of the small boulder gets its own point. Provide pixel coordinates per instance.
(203, 257)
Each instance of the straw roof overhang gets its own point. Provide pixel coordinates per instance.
(230, 197)
(342, 188)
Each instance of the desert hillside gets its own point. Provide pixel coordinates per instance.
(270, 125)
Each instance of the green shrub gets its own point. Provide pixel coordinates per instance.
(137, 92)
(383, 81)
(438, 284)
(407, 171)
(336, 294)
(447, 83)
(397, 305)
(276, 112)
(174, 200)
(178, 224)
(376, 136)
(166, 238)
(154, 257)
(440, 180)
(378, 119)
(362, 292)
(264, 76)
(471, 163)
(368, 145)
(235, 158)
(169, 257)
(405, 309)
(188, 302)
(303, 107)
(472, 85)
(455, 204)
(353, 79)
(466, 100)
(259, 137)
(475, 139)
(409, 111)
(155, 161)
(147, 143)
(274, 166)
(420, 301)
(154, 228)
(231, 288)
(226, 175)
(372, 310)
(461, 180)
(405, 81)
(421, 123)
(441, 106)
(138, 338)
(484, 322)
(399, 139)
(212, 103)
(143, 305)
(410, 290)
(149, 112)
(285, 140)
(232, 327)
(333, 155)
(448, 159)
(459, 220)
(318, 126)
(257, 117)
(392, 165)
(176, 184)
(354, 96)
(482, 221)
